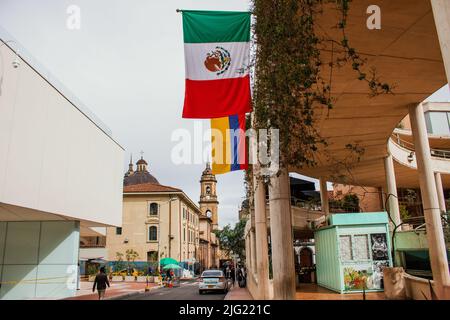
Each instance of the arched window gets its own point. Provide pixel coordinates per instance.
(208, 190)
(153, 209)
(152, 233)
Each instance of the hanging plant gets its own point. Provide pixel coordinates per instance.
(289, 88)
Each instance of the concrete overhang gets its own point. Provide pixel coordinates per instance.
(406, 53)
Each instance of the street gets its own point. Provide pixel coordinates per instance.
(188, 290)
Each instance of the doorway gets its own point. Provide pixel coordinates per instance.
(306, 264)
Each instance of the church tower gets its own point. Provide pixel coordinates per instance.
(208, 196)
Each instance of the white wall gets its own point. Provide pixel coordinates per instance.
(53, 158)
(38, 259)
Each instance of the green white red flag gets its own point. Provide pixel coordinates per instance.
(217, 56)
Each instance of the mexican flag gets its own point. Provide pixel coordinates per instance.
(217, 56)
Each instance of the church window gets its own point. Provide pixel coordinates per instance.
(152, 233)
(153, 209)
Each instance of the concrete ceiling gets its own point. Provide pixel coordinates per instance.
(406, 53)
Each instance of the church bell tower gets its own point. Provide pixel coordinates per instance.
(208, 196)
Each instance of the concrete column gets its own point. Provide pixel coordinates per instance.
(435, 235)
(262, 249)
(324, 196)
(440, 192)
(281, 237)
(391, 187)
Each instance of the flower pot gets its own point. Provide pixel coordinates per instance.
(91, 278)
(141, 279)
(130, 278)
(117, 278)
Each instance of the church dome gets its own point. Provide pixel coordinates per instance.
(141, 161)
(140, 176)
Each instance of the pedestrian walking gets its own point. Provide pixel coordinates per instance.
(233, 275)
(101, 281)
(241, 277)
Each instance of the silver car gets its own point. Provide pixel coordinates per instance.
(212, 280)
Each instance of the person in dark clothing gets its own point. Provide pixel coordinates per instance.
(241, 277)
(233, 275)
(101, 281)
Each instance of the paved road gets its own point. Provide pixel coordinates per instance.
(188, 290)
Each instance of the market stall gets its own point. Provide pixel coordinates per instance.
(352, 251)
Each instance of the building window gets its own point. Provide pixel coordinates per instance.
(118, 231)
(184, 235)
(184, 213)
(152, 233)
(361, 247)
(345, 248)
(153, 209)
(208, 190)
(438, 122)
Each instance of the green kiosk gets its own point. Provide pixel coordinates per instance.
(352, 251)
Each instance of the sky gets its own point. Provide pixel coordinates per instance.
(126, 63)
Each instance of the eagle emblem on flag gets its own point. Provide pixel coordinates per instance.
(218, 60)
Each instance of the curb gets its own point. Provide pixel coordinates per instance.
(131, 294)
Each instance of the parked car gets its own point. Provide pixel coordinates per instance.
(212, 280)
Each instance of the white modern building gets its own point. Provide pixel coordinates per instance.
(50, 145)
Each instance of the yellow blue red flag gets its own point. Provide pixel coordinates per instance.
(228, 144)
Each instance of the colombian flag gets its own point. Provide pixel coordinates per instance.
(228, 144)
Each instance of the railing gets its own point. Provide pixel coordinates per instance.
(87, 246)
(438, 153)
(418, 223)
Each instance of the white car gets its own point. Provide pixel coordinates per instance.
(212, 280)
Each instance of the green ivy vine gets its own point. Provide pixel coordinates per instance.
(288, 85)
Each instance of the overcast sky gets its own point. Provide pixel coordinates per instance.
(126, 63)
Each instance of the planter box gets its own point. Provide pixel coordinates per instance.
(91, 278)
(130, 278)
(142, 279)
(117, 278)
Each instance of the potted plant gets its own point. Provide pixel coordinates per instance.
(131, 256)
(405, 216)
(92, 272)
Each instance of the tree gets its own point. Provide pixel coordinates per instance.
(118, 264)
(131, 255)
(232, 239)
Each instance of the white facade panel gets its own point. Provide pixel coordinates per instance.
(53, 158)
